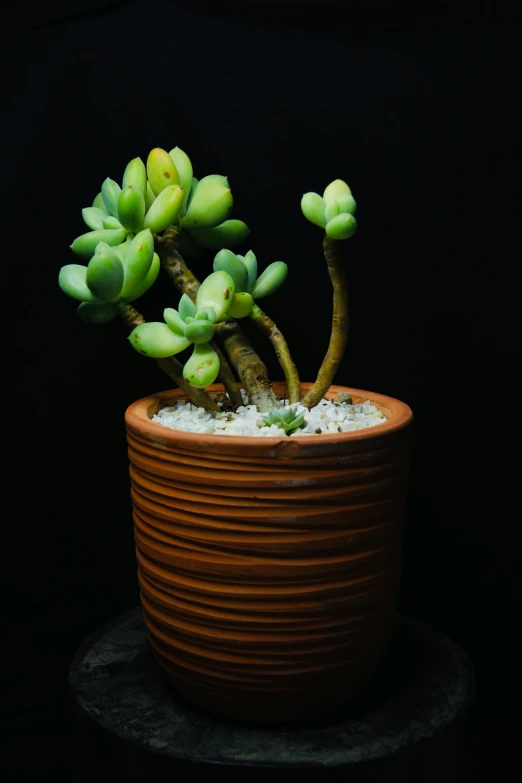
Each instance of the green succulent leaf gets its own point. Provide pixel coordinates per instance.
(97, 312)
(285, 418)
(174, 321)
(332, 210)
(347, 203)
(165, 210)
(227, 261)
(313, 208)
(161, 171)
(199, 331)
(242, 304)
(137, 262)
(99, 203)
(195, 183)
(228, 234)
(135, 175)
(250, 261)
(85, 245)
(270, 280)
(149, 198)
(149, 281)
(216, 291)
(72, 281)
(209, 206)
(110, 194)
(202, 368)
(131, 208)
(122, 249)
(112, 223)
(341, 227)
(93, 217)
(335, 189)
(157, 340)
(186, 307)
(183, 166)
(210, 178)
(105, 273)
(206, 314)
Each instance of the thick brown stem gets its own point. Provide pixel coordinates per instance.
(227, 378)
(180, 275)
(174, 369)
(268, 327)
(339, 334)
(251, 370)
(253, 377)
(172, 262)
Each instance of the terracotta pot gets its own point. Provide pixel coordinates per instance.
(269, 567)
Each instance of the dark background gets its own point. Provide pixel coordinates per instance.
(415, 105)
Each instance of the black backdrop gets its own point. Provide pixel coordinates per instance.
(415, 106)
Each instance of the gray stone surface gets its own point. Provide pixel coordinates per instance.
(425, 682)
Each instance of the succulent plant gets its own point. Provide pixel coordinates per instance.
(161, 212)
(286, 418)
(334, 211)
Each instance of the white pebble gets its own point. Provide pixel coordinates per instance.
(324, 418)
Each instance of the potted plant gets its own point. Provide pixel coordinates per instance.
(268, 516)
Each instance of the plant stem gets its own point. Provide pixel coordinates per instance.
(226, 377)
(251, 370)
(269, 328)
(339, 333)
(172, 262)
(174, 369)
(254, 378)
(180, 275)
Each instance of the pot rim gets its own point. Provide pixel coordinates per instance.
(138, 419)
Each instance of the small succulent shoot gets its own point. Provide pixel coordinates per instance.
(243, 270)
(334, 211)
(209, 206)
(161, 171)
(286, 418)
(192, 323)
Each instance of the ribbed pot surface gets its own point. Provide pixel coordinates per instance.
(269, 567)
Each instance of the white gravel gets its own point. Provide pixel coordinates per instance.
(327, 417)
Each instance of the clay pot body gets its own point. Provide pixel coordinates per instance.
(269, 567)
